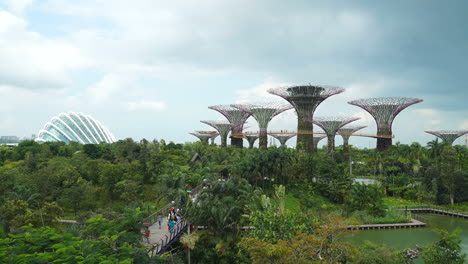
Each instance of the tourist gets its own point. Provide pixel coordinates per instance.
(147, 234)
(160, 217)
(171, 226)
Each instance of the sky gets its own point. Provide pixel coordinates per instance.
(150, 69)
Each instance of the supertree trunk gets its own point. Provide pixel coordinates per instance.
(263, 138)
(384, 143)
(235, 141)
(345, 147)
(306, 140)
(331, 145)
(223, 141)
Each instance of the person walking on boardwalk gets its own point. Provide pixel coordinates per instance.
(147, 234)
(171, 226)
(160, 217)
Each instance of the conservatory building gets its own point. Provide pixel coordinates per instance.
(77, 127)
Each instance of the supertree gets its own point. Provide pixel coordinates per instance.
(448, 136)
(251, 139)
(384, 110)
(213, 134)
(223, 127)
(346, 132)
(317, 139)
(305, 99)
(283, 138)
(202, 137)
(331, 125)
(237, 118)
(263, 113)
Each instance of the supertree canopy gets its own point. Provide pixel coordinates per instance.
(448, 136)
(346, 132)
(223, 127)
(202, 137)
(237, 118)
(317, 139)
(305, 99)
(331, 125)
(213, 134)
(283, 138)
(251, 139)
(263, 113)
(384, 110)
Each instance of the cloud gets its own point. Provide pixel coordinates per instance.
(463, 125)
(17, 6)
(259, 93)
(31, 61)
(147, 105)
(108, 87)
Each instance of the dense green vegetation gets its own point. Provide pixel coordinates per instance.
(299, 204)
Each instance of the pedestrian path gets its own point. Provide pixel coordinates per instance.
(161, 239)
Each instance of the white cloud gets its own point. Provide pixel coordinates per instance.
(259, 93)
(109, 86)
(463, 125)
(17, 6)
(31, 61)
(146, 105)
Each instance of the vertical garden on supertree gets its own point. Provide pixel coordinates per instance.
(251, 139)
(346, 133)
(305, 99)
(263, 113)
(282, 138)
(213, 134)
(448, 136)
(316, 140)
(331, 125)
(202, 137)
(384, 110)
(237, 118)
(223, 128)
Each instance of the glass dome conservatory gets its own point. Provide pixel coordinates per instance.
(76, 127)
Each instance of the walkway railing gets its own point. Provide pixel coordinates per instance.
(162, 244)
(431, 207)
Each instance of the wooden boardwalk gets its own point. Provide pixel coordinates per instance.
(434, 209)
(413, 224)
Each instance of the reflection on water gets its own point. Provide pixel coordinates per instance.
(399, 239)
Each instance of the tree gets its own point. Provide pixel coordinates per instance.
(446, 250)
(448, 168)
(366, 197)
(325, 245)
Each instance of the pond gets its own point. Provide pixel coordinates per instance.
(400, 239)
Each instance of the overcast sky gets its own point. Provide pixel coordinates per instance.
(149, 69)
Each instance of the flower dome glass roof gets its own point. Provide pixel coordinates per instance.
(76, 127)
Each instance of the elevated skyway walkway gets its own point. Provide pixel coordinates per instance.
(305, 132)
(160, 239)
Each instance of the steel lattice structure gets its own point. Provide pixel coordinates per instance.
(237, 118)
(223, 127)
(213, 134)
(331, 125)
(448, 136)
(317, 139)
(384, 110)
(263, 113)
(305, 99)
(283, 138)
(251, 139)
(347, 131)
(202, 137)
